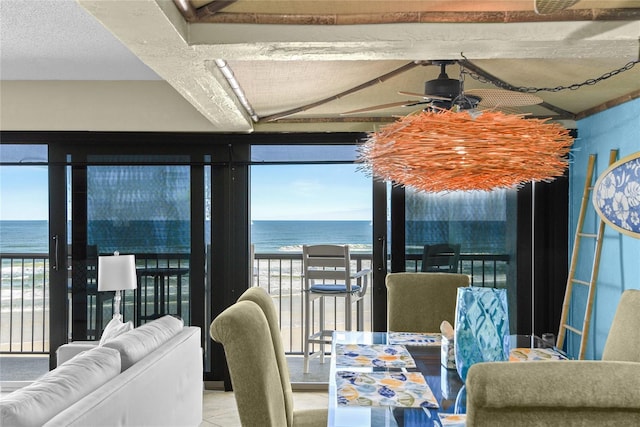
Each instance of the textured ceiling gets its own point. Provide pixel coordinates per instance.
(305, 75)
(58, 40)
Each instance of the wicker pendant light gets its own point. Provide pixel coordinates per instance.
(467, 150)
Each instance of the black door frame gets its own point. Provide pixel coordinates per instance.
(227, 156)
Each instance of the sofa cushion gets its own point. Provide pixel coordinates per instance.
(136, 344)
(114, 328)
(41, 400)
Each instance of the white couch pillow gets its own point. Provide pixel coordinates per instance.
(60, 388)
(114, 328)
(136, 344)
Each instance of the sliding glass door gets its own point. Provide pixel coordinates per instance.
(179, 202)
(24, 255)
(113, 197)
(142, 210)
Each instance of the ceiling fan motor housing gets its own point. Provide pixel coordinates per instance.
(449, 88)
(444, 87)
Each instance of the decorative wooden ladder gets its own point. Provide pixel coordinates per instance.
(571, 280)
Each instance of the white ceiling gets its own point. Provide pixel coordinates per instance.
(61, 69)
(59, 40)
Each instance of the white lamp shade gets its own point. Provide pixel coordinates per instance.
(117, 273)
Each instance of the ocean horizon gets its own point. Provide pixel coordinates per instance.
(267, 236)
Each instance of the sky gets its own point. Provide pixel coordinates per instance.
(24, 193)
(310, 192)
(292, 192)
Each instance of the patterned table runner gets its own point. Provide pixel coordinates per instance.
(534, 354)
(414, 338)
(457, 420)
(406, 389)
(374, 355)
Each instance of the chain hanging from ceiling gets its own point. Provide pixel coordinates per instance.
(574, 86)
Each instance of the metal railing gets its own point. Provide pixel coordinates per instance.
(485, 270)
(24, 315)
(24, 311)
(175, 289)
(281, 275)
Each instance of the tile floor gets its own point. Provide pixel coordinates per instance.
(310, 391)
(219, 407)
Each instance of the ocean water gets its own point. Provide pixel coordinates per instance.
(24, 237)
(267, 236)
(173, 236)
(289, 236)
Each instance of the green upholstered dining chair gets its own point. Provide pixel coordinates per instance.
(264, 301)
(623, 341)
(565, 393)
(419, 302)
(244, 332)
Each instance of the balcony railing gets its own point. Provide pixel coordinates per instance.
(24, 310)
(281, 275)
(24, 315)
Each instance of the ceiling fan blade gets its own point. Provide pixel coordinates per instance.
(425, 96)
(547, 7)
(504, 98)
(383, 106)
(505, 110)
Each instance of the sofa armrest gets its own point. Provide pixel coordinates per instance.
(580, 387)
(68, 351)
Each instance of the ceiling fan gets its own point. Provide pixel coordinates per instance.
(547, 7)
(444, 93)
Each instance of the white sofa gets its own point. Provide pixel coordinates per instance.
(150, 376)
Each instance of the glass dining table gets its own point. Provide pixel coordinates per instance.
(445, 385)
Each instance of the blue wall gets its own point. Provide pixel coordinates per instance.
(616, 128)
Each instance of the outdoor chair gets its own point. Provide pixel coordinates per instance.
(420, 302)
(252, 359)
(327, 274)
(567, 392)
(442, 258)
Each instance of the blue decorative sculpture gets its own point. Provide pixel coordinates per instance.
(482, 327)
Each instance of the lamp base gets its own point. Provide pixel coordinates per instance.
(116, 305)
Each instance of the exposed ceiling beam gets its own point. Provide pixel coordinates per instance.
(182, 52)
(216, 17)
(212, 9)
(156, 33)
(186, 8)
(545, 40)
(609, 104)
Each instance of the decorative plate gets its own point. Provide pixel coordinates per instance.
(616, 195)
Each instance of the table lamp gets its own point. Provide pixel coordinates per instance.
(117, 273)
